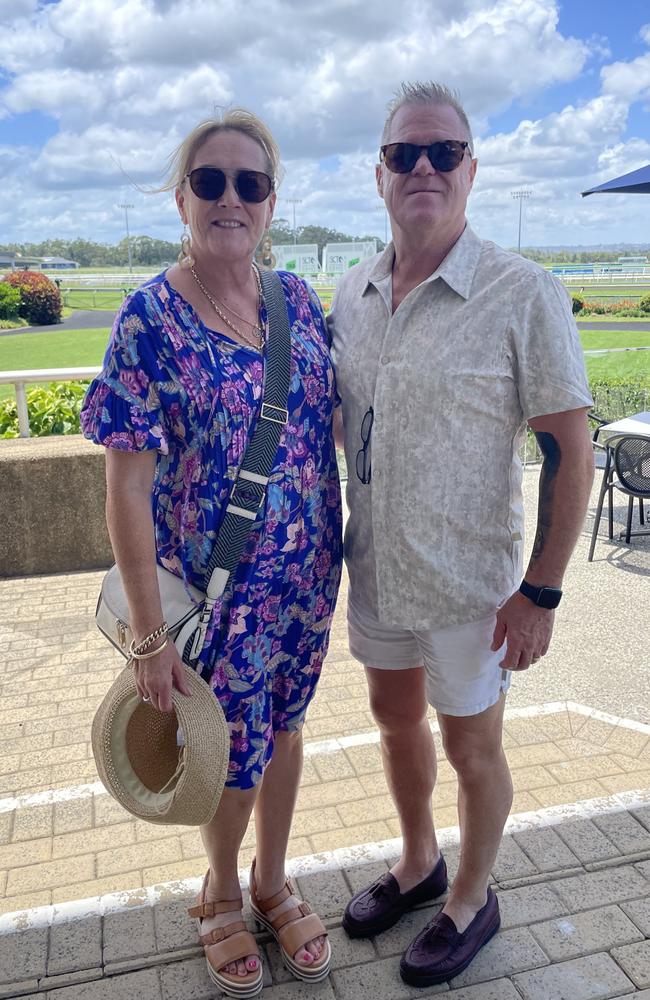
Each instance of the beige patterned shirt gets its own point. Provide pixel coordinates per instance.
(484, 344)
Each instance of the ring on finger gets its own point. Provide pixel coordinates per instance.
(145, 697)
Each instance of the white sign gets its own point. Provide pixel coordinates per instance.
(338, 257)
(302, 258)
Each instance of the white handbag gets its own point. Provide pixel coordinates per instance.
(181, 612)
(186, 609)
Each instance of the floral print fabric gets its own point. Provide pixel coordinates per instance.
(172, 384)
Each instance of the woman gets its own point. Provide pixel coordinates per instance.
(175, 406)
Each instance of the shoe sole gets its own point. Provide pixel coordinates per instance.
(379, 926)
(432, 979)
(300, 972)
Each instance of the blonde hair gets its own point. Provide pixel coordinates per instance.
(427, 93)
(228, 120)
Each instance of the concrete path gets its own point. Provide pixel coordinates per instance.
(84, 319)
(92, 900)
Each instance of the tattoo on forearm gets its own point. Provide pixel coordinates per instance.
(551, 451)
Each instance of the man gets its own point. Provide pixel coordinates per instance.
(445, 347)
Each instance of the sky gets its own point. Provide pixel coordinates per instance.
(95, 95)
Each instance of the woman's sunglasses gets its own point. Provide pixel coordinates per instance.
(401, 157)
(209, 183)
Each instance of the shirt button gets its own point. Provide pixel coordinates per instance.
(385, 360)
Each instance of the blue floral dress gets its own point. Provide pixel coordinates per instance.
(172, 384)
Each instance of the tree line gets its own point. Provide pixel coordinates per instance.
(149, 252)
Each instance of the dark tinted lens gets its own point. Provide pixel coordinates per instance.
(366, 425)
(400, 157)
(364, 470)
(446, 156)
(207, 183)
(253, 185)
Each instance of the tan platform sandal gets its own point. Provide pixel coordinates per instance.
(224, 945)
(292, 930)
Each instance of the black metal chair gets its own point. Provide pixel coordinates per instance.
(600, 450)
(627, 469)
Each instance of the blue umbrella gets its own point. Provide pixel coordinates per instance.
(636, 182)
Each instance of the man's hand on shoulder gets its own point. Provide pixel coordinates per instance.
(526, 629)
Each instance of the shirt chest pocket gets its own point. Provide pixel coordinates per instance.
(484, 397)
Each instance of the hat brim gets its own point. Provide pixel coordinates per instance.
(139, 761)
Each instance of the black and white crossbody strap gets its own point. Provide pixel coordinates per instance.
(249, 490)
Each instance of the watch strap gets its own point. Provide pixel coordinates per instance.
(543, 597)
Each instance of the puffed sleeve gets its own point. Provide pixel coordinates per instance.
(122, 407)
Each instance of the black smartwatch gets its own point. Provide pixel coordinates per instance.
(543, 597)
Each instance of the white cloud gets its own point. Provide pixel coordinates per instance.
(126, 79)
(628, 80)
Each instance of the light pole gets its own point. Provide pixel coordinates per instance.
(293, 202)
(520, 196)
(126, 206)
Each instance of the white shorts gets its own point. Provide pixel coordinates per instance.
(462, 673)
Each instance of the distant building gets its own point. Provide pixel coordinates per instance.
(12, 261)
(57, 264)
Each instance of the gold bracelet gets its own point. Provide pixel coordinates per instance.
(143, 645)
(134, 655)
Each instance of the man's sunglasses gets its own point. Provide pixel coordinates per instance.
(209, 183)
(364, 468)
(401, 157)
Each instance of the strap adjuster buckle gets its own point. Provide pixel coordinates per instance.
(276, 414)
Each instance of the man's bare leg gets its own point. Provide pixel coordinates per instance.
(473, 746)
(399, 705)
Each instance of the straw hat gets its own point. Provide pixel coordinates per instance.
(140, 762)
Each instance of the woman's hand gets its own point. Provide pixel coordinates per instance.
(155, 677)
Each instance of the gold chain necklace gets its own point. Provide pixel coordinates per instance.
(259, 337)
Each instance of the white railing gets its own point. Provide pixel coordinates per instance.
(19, 379)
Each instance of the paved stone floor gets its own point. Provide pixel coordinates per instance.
(91, 900)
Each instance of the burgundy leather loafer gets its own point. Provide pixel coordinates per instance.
(439, 952)
(381, 905)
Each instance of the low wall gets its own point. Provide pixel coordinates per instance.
(52, 496)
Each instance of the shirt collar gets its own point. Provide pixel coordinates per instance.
(456, 270)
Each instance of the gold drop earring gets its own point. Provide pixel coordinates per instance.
(185, 258)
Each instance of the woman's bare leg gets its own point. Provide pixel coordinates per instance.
(273, 815)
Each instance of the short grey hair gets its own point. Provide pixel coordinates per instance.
(427, 93)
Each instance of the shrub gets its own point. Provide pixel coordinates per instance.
(40, 299)
(13, 324)
(644, 304)
(577, 304)
(53, 409)
(614, 397)
(624, 307)
(617, 397)
(9, 301)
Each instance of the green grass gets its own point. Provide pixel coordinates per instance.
(595, 339)
(594, 292)
(61, 349)
(635, 365)
(81, 298)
